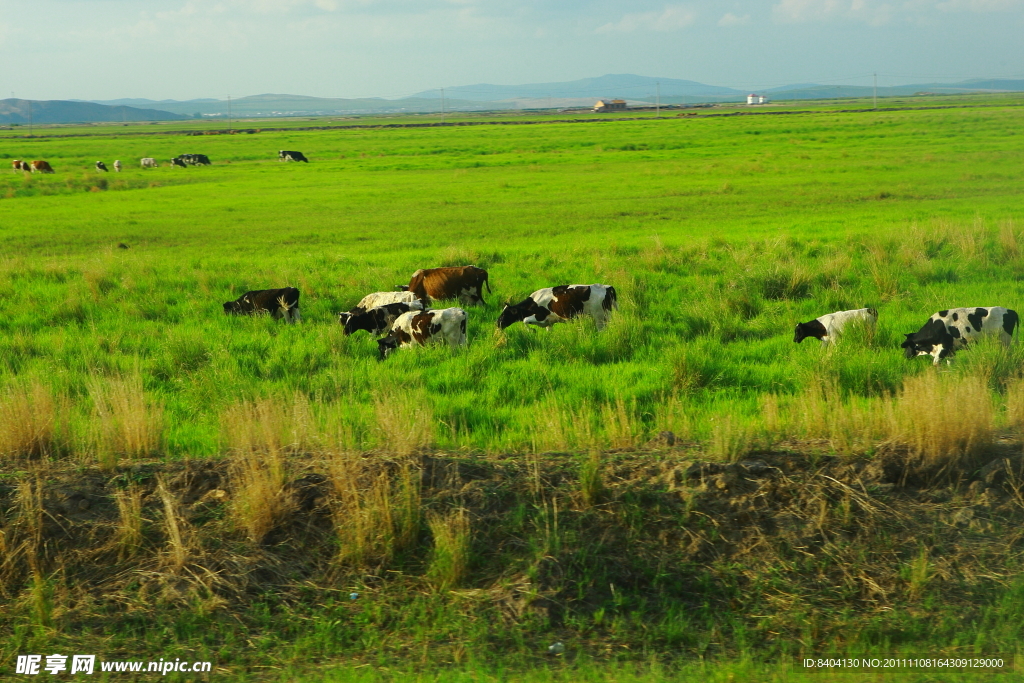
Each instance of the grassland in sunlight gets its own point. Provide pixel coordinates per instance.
(240, 472)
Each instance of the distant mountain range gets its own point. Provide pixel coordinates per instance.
(61, 111)
(636, 90)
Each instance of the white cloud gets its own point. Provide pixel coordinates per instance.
(672, 18)
(730, 19)
(980, 5)
(880, 12)
(800, 11)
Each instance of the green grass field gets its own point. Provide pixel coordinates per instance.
(719, 233)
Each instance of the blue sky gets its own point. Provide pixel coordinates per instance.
(183, 49)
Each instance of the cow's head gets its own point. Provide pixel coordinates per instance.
(812, 329)
(386, 345)
(232, 307)
(371, 321)
(513, 313)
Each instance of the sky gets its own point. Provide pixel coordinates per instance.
(185, 49)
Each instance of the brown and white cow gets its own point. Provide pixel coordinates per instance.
(19, 165)
(41, 167)
(551, 305)
(464, 283)
(279, 303)
(419, 328)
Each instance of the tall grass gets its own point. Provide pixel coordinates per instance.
(449, 559)
(125, 422)
(30, 421)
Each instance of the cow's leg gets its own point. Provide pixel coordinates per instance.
(296, 316)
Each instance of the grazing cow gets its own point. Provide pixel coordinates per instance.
(950, 330)
(19, 165)
(376, 320)
(41, 167)
(827, 327)
(100, 166)
(419, 328)
(279, 303)
(177, 162)
(192, 160)
(462, 282)
(551, 305)
(150, 162)
(117, 165)
(286, 155)
(383, 298)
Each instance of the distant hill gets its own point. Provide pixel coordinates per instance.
(626, 86)
(636, 90)
(300, 105)
(65, 111)
(812, 91)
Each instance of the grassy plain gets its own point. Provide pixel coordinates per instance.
(719, 233)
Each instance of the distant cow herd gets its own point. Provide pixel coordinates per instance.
(180, 161)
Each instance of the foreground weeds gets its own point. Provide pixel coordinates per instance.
(774, 557)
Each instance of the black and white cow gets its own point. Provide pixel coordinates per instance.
(279, 303)
(829, 326)
(419, 328)
(191, 160)
(288, 155)
(953, 329)
(100, 166)
(176, 161)
(551, 305)
(376, 320)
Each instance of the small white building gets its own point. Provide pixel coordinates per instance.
(757, 99)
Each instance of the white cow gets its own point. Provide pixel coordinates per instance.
(117, 165)
(419, 328)
(828, 327)
(149, 162)
(384, 298)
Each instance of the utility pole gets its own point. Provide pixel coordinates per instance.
(657, 102)
(876, 92)
(442, 106)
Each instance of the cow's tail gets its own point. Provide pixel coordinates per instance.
(487, 281)
(611, 300)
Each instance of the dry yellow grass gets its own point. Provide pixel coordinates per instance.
(29, 416)
(374, 515)
(128, 535)
(177, 552)
(449, 560)
(125, 422)
(405, 421)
